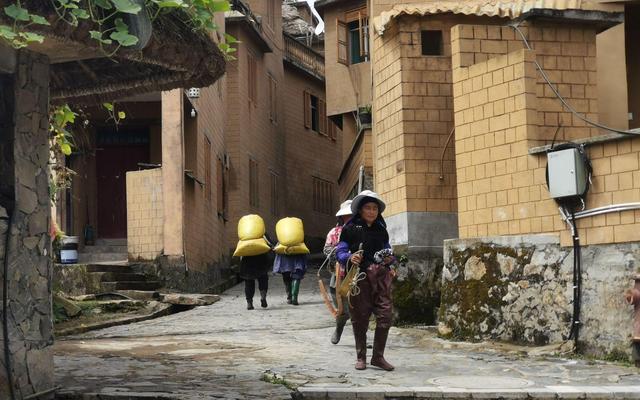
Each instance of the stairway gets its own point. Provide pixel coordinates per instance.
(104, 251)
(115, 277)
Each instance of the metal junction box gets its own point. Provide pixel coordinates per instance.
(567, 173)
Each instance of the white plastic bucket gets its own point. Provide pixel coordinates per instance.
(69, 250)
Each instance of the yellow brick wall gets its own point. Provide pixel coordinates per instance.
(501, 110)
(144, 214)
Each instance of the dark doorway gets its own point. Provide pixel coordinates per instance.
(118, 151)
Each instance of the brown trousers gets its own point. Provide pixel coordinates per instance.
(374, 298)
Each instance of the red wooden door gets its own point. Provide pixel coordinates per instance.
(112, 163)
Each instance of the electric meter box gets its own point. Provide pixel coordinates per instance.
(567, 173)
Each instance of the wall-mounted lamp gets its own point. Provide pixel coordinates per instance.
(193, 113)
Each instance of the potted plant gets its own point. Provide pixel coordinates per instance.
(364, 115)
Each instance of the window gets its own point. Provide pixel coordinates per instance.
(254, 199)
(274, 194)
(432, 43)
(315, 113)
(207, 169)
(273, 99)
(353, 37)
(322, 196)
(253, 82)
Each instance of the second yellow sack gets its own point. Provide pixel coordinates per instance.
(254, 247)
(290, 231)
(291, 250)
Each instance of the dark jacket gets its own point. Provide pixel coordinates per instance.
(373, 239)
(254, 267)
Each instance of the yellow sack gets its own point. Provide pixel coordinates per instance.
(253, 247)
(251, 227)
(290, 231)
(291, 250)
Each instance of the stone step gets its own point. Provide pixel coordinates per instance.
(104, 249)
(140, 294)
(130, 285)
(111, 242)
(89, 258)
(117, 276)
(122, 269)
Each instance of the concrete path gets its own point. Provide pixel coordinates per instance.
(224, 351)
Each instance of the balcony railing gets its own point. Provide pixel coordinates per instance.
(303, 57)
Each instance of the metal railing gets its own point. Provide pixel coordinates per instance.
(303, 57)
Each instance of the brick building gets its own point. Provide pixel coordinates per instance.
(280, 143)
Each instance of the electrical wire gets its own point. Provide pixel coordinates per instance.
(5, 318)
(574, 332)
(562, 99)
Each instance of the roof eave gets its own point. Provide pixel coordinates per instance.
(263, 43)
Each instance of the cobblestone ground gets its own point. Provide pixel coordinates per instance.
(224, 350)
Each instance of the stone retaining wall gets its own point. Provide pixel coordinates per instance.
(519, 288)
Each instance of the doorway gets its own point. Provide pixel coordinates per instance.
(118, 151)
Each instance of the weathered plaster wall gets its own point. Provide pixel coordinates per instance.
(29, 266)
(519, 288)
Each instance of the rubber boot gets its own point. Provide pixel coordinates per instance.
(360, 335)
(287, 286)
(249, 304)
(341, 321)
(263, 299)
(295, 289)
(379, 343)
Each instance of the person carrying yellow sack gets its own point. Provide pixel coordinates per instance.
(254, 250)
(291, 256)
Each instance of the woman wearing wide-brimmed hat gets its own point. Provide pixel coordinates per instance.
(333, 237)
(361, 242)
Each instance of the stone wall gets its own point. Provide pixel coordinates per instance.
(519, 288)
(29, 266)
(145, 214)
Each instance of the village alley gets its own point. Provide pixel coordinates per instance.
(225, 351)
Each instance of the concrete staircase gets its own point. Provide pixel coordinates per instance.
(104, 251)
(115, 277)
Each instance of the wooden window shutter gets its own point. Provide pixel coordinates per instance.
(343, 46)
(322, 109)
(307, 109)
(220, 186)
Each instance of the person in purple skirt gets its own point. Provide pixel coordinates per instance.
(292, 268)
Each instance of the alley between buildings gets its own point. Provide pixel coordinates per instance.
(224, 351)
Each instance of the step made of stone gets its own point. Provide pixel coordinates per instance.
(86, 258)
(122, 276)
(130, 285)
(111, 242)
(104, 249)
(120, 269)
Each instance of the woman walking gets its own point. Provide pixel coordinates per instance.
(254, 268)
(361, 243)
(292, 268)
(333, 237)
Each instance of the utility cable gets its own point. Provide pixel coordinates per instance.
(562, 99)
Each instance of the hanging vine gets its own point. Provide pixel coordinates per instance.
(111, 33)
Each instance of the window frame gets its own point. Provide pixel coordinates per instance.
(254, 184)
(273, 99)
(252, 72)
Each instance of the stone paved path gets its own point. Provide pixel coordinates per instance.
(223, 351)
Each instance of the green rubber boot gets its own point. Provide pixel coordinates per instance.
(295, 289)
